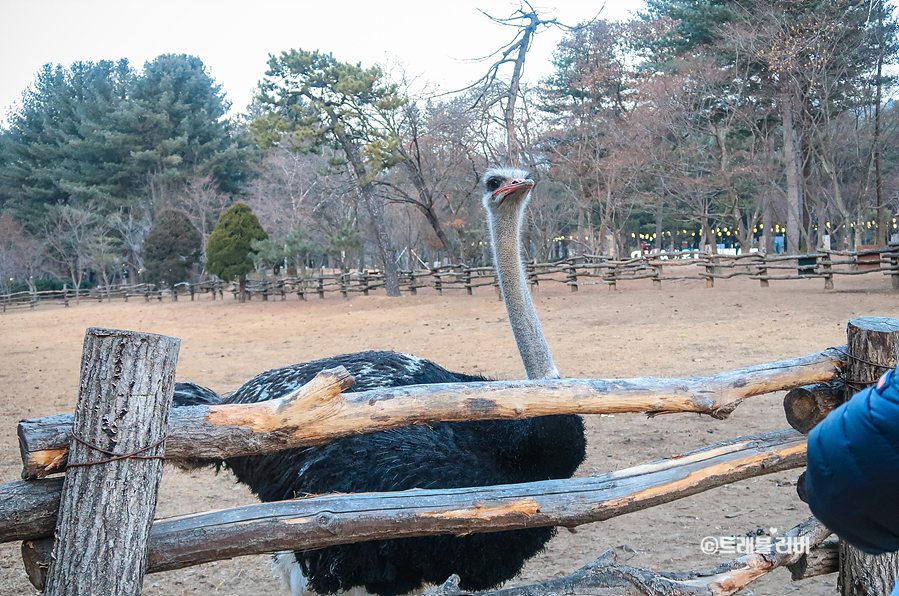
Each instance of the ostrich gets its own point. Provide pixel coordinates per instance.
(441, 455)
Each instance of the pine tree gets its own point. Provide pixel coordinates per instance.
(228, 252)
(171, 248)
(326, 101)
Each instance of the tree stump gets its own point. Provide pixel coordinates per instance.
(108, 502)
(873, 349)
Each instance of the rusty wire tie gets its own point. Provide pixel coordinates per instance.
(859, 385)
(857, 359)
(116, 456)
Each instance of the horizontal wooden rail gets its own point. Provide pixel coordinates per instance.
(318, 413)
(339, 519)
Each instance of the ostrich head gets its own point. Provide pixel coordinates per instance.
(506, 189)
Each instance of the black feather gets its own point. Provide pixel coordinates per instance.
(441, 455)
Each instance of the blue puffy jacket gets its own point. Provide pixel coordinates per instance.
(852, 482)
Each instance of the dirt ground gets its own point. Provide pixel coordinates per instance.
(682, 330)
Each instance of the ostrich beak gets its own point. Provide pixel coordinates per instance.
(516, 188)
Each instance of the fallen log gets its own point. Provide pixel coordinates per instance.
(339, 519)
(28, 509)
(608, 576)
(318, 413)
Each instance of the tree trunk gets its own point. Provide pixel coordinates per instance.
(107, 504)
(242, 289)
(660, 211)
(425, 204)
(432, 218)
(882, 213)
(873, 348)
(513, 145)
(376, 211)
(767, 244)
(374, 207)
(582, 230)
(709, 237)
(791, 164)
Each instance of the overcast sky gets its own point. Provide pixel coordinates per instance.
(434, 41)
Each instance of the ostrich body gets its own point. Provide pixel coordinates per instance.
(441, 455)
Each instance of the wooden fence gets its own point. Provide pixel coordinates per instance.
(573, 272)
(97, 463)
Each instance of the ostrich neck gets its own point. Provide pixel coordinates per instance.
(532, 346)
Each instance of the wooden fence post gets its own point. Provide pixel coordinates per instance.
(711, 268)
(873, 349)
(894, 266)
(107, 504)
(571, 274)
(531, 272)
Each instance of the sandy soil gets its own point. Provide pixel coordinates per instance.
(682, 330)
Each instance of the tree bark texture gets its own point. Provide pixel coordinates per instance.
(319, 413)
(873, 350)
(339, 519)
(791, 165)
(106, 509)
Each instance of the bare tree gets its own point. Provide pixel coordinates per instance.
(285, 192)
(526, 22)
(22, 256)
(103, 256)
(71, 235)
(201, 200)
(435, 155)
(131, 229)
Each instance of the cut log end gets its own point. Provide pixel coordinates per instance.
(806, 406)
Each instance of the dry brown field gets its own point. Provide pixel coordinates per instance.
(682, 330)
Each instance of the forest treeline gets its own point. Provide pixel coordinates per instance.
(758, 124)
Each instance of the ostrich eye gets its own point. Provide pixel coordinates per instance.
(493, 184)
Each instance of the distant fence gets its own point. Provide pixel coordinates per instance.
(573, 272)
